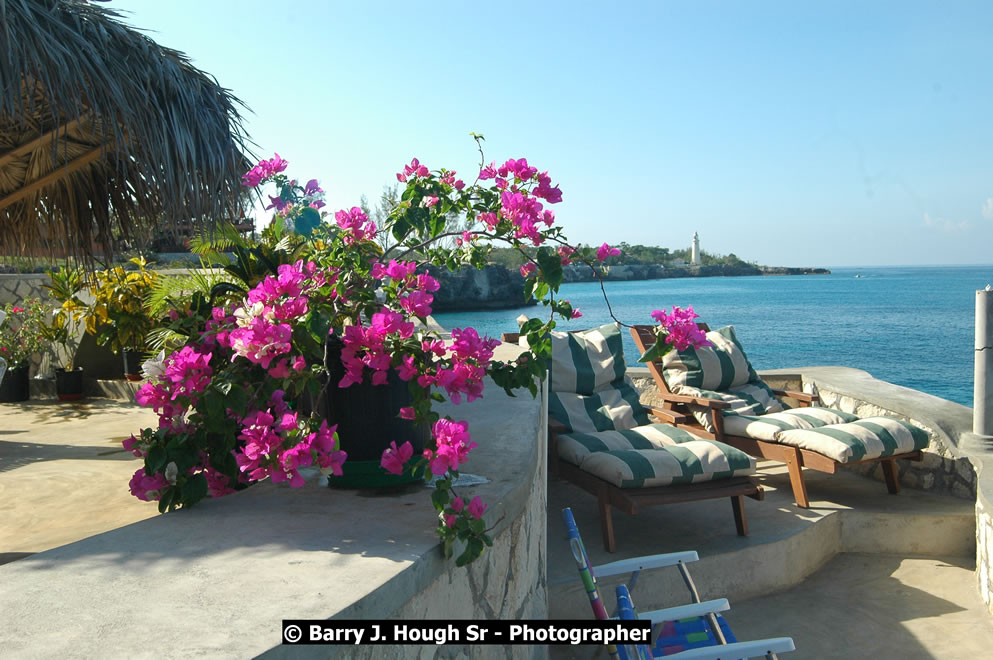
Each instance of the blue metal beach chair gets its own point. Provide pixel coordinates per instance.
(688, 632)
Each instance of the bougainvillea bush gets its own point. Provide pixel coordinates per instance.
(20, 334)
(236, 398)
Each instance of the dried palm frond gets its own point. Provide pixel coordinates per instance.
(102, 130)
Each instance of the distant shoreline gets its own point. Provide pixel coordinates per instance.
(657, 272)
(498, 287)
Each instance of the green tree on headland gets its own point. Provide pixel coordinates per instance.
(633, 255)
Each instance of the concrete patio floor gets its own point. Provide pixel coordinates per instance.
(859, 574)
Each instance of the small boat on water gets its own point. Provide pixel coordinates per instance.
(858, 275)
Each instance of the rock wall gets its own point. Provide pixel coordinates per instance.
(15, 288)
(984, 551)
(493, 287)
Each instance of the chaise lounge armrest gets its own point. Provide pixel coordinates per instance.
(802, 397)
(555, 426)
(668, 416)
(713, 404)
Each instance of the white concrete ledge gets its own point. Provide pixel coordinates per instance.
(216, 580)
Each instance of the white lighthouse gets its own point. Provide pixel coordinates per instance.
(695, 250)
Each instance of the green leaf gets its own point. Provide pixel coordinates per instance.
(473, 549)
(155, 460)
(551, 267)
(439, 498)
(194, 490)
(168, 499)
(658, 349)
(307, 221)
(237, 400)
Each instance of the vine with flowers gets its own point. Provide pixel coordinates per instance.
(236, 401)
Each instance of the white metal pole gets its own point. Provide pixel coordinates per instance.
(982, 397)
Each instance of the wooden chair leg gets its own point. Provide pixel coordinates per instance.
(606, 522)
(740, 521)
(892, 475)
(796, 479)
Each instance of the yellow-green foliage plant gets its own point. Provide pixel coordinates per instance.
(119, 316)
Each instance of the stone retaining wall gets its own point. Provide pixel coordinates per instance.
(953, 463)
(15, 288)
(945, 469)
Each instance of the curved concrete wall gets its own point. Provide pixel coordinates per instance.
(216, 580)
(953, 463)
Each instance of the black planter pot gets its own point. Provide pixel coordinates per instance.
(132, 364)
(368, 420)
(69, 384)
(15, 386)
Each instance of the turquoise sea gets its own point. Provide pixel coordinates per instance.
(912, 326)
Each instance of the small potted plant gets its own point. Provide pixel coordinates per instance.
(20, 338)
(118, 316)
(64, 329)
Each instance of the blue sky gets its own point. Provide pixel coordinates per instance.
(799, 134)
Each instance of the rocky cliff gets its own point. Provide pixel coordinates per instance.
(496, 287)
(493, 287)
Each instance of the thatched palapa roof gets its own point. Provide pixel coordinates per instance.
(103, 130)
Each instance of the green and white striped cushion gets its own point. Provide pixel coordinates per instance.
(587, 362)
(872, 437)
(718, 367)
(615, 409)
(694, 461)
(754, 398)
(577, 447)
(765, 427)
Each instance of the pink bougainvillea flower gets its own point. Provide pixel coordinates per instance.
(428, 202)
(312, 188)
(605, 251)
(454, 445)
(476, 507)
(280, 369)
(394, 458)
(528, 269)
(148, 487)
(458, 504)
(407, 413)
(680, 328)
(576, 313)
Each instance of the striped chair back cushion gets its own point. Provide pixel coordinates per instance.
(614, 409)
(718, 367)
(587, 362)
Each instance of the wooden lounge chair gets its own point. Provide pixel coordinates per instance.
(694, 631)
(749, 416)
(601, 438)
